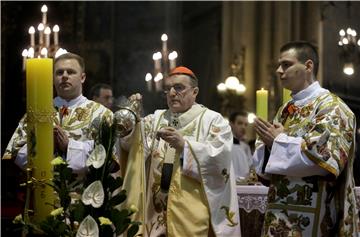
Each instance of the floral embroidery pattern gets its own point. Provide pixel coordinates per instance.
(229, 216)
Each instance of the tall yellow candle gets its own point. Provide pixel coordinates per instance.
(286, 95)
(39, 106)
(262, 103)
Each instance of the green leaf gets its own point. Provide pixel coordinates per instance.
(118, 198)
(106, 230)
(66, 174)
(118, 218)
(133, 230)
(124, 225)
(79, 211)
(115, 183)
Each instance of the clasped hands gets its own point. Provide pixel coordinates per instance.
(267, 131)
(61, 140)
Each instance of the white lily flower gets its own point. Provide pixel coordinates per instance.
(97, 157)
(88, 228)
(94, 194)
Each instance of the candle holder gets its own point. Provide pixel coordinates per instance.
(45, 48)
(233, 88)
(164, 62)
(349, 45)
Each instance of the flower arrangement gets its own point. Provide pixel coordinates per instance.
(89, 206)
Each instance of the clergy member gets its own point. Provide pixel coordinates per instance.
(77, 120)
(307, 154)
(189, 179)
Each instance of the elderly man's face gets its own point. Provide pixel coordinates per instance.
(68, 78)
(180, 94)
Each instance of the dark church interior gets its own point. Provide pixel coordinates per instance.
(215, 39)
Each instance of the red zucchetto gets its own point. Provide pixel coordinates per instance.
(182, 71)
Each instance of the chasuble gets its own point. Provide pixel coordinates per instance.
(201, 194)
(310, 168)
(80, 118)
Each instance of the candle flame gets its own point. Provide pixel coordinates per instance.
(221, 87)
(44, 9)
(158, 77)
(56, 28)
(47, 30)
(173, 55)
(31, 30)
(40, 27)
(251, 117)
(44, 51)
(164, 37)
(148, 77)
(24, 53)
(31, 52)
(157, 56)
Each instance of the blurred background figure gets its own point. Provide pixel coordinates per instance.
(241, 152)
(103, 94)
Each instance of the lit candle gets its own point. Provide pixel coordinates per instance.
(262, 103)
(31, 52)
(157, 80)
(164, 39)
(56, 30)
(44, 10)
(47, 36)
(172, 58)
(40, 143)
(41, 31)
(44, 52)
(286, 95)
(157, 57)
(24, 54)
(32, 36)
(148, 78)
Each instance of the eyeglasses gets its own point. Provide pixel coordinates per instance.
(179, 88)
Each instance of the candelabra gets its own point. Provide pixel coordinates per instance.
(232, 90)
(233, 84)
(44, 48)
(350, 49)
(163, 63)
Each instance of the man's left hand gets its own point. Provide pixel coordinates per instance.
(267, 131)
(171, 136)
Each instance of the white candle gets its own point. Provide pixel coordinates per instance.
(172, 58)
(31, 52)
(164, 39)
(47, 36)
(56, 29)
(158, 82)
(44, 10)
(41, 31)
(32, 36)
(44, 52)
(148, 79)
(24, 54)
(157, 56)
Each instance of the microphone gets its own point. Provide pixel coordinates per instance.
(167, 168)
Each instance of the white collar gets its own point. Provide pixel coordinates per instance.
(309, 92)
(60, 102)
